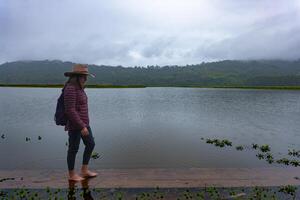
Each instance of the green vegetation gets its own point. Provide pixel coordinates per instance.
(294, 153)
(254, 146)
(264, 154)
(288, 189)
(264, 148)
(252, 74)
(219, 143)
(95, 155)
(257, 87)
(143, 86)
(61, 85)
(239, 148)
(212, 193)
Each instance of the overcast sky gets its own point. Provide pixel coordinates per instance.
(149, 32)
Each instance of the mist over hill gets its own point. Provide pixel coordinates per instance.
(221, 73)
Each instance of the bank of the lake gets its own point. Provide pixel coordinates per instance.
(278, 87)
(61, 85)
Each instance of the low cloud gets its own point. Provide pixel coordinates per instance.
(144, 32)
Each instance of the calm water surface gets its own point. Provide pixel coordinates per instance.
(151, 127)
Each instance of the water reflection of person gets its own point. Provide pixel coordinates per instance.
(87, 195)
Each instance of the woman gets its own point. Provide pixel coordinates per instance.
(76, 110)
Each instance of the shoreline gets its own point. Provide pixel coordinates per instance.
(61, 85)
(158, 177)
(143, 86)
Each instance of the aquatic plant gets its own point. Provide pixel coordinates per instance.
(95, 155)
(254, 146)
(288, 189)
(295, 163)
(239, 148)
(227, 142)
(209, 141)
(269, 158)
(293, 152)
(282, 192)
(265, 148)
(219, 143)
(3, 194)
(283, 161)
(260, 156)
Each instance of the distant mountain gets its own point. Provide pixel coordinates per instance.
(221, 73)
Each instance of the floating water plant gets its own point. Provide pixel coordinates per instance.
(295, 163)
(219, 143)
(270, 161)
(239, 148)
(260, 156)
(95, 155)
(264, 148)
(209, 141)
(262, 193)
(254, 146)
(288, 189)
(269, 158)
(283, 161)
(294, 153)
(227, 142)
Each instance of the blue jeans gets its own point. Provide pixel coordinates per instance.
(74, 141)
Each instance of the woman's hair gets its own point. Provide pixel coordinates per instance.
(74, 80)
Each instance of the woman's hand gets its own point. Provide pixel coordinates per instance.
(84, 131)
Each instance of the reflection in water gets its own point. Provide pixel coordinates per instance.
(87, 195)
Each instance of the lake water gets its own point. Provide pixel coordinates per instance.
(151, 127)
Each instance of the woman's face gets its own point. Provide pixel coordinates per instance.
(82, 79)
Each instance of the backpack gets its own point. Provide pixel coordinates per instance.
(60, 117)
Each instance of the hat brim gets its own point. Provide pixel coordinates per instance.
(78, 73)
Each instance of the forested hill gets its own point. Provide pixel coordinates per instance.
(222, 73)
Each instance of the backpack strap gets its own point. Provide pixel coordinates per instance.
(63, 88)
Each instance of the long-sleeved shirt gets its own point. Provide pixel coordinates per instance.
(76, 107)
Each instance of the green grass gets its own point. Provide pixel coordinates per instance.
(143, 86)
(259, 87)
(213, 193)
(278, 87)
(61, 85)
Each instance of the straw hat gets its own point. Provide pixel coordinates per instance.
(79, 69)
